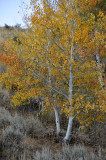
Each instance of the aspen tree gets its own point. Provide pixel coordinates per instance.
(56, 60)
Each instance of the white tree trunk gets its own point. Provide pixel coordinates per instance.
(57, 121)
(69, 129)
(70, 122)
(49, 71)
(98, 62)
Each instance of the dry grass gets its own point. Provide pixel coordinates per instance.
(3, 68)
(4, 91)
(38, 144)
(5, 33)
(9, 32)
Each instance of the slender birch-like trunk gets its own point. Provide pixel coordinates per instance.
(55, 109)
(57, 121)
(70, 122)
(98, 62)
(100, 74)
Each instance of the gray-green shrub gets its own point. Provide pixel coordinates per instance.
(44, 155)
(77, 153)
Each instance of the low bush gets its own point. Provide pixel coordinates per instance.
(5, 117)
(3, 69)
(15, 129)
(12, 134)
(17, 122)
(16, 39)
(44, 155)
(12, 142)
(27, 126)
(77, 153)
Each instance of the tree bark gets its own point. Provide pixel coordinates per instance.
(69, 129)
(100, 74)
(57, 121)
(49, 71)
(70, 122)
